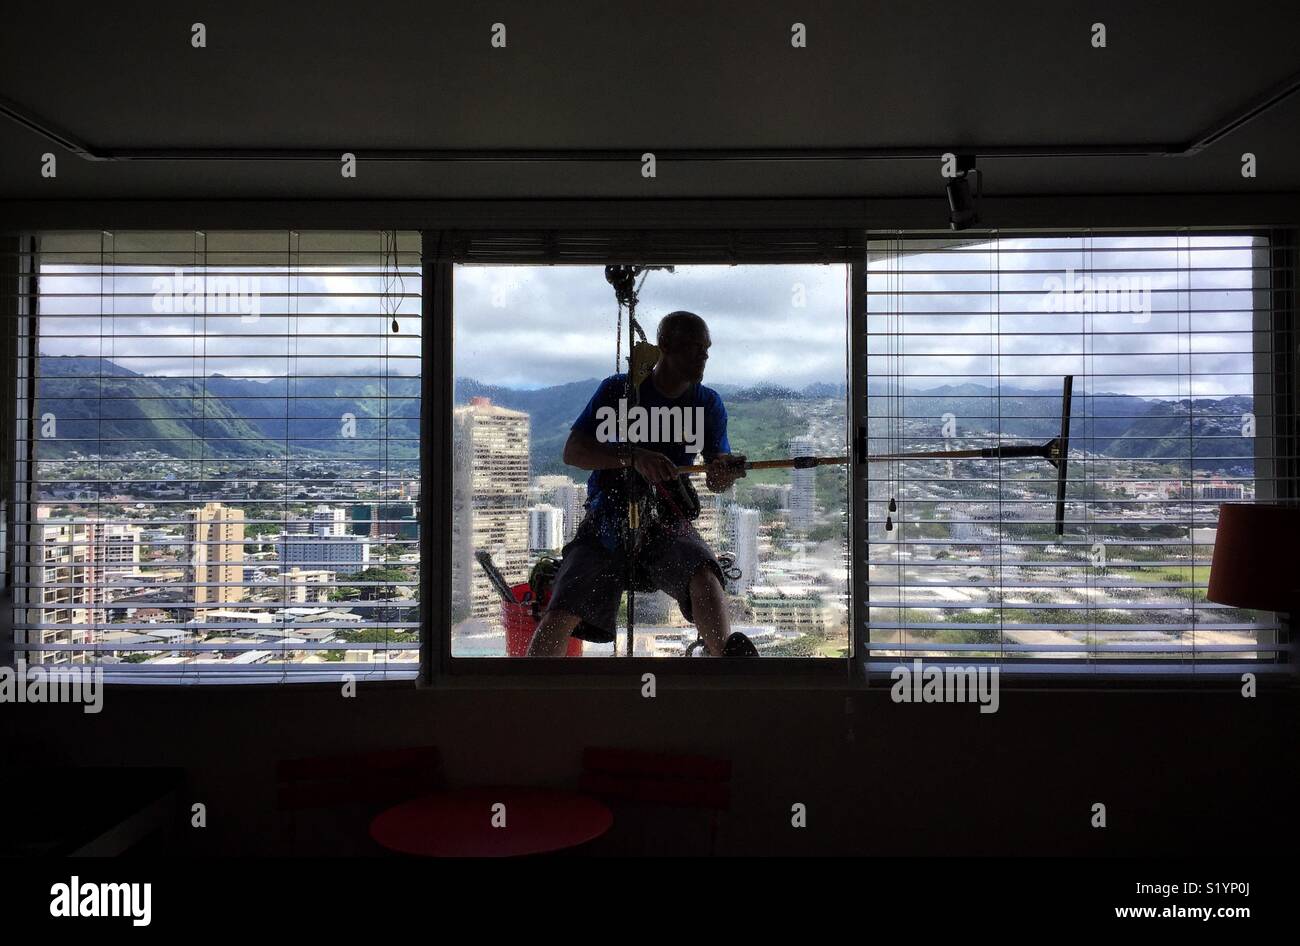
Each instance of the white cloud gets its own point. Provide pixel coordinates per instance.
(532, 326)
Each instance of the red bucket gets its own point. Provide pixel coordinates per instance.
(520, 625)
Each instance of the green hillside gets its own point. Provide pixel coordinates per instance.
(105, 409)
(102, 408)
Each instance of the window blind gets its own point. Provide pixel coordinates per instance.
(1173, 342)
(221, 456)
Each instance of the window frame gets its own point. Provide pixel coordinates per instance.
(1281, 385)
(443, 251)
(439, 670)
(22, 345)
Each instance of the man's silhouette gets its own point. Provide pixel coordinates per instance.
(593, 574)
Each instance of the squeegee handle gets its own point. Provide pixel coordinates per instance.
(1014, 451)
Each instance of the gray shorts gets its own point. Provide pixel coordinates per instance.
(592, 579)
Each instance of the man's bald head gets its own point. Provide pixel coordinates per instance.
(684, 340)
(675, 326)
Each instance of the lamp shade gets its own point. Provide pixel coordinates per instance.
(1257, 557)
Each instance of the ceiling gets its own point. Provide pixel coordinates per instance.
(646, 77)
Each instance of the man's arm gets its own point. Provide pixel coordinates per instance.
(586, 452)
(724, 467)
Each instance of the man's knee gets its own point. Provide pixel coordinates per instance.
(705, 579)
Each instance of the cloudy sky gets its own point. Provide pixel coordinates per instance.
(532, 326)
(251, 322)
(1153, 316)
(540, 325)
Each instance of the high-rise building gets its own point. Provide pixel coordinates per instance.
(66, 588)
(563, 493)
(803, 495)
(709, 522)
(1213, 490)
(119, 549)
(545, 528)
(216, 553)
(306, 586)
(489, 502)
(742, 528)
(342, 553)
(380, 520)
(328, 521)
(788, 609)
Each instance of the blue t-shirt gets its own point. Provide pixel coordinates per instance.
(611, 390)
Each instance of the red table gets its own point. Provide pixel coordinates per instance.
(460, 823)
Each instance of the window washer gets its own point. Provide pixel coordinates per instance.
(666, 552)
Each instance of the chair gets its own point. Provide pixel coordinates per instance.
(649, 780)
(351, 788)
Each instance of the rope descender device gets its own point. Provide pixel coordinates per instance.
(642, 357)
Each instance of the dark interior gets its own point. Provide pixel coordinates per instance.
(225, 137)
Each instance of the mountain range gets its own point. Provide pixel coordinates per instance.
(102, 407)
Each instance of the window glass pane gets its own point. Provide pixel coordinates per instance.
(969, 341)
(532, 346)
(226, 475)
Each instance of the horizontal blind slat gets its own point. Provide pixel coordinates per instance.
(226, 445)
(1170, 341)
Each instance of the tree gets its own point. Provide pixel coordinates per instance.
(370, 592)
(805, 646)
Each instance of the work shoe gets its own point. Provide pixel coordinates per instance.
(738, 645)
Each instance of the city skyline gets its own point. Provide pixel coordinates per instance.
(790, 533)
